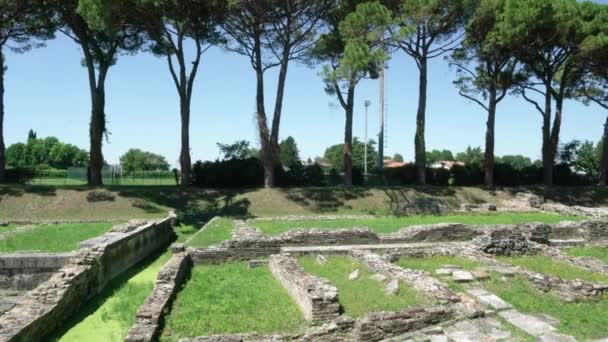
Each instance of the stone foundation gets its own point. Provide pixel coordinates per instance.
(149, 319)
(25, 271)
(317, 298)
(51, 304)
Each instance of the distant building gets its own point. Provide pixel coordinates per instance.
(390, 164)
(446, 164)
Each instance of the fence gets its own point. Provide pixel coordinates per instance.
(111, 175)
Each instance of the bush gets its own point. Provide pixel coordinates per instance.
(19, 175)
(439, 177)
(400, 175)
(358, 178)
(335, 178)
(100, 196)
(468, 175)
(228, 173)
(563, 175)
(51, 173)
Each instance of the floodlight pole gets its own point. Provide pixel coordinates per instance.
(367, 103)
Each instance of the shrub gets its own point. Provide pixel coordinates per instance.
(400, 175)
(438, 176)
(235, 173)
(100, 196)
(467, 175)
(19, 175)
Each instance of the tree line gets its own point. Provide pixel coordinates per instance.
(544, 51)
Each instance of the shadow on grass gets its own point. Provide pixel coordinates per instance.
(98, 300)
(193, 206)
(325, 199)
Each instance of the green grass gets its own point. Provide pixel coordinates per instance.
(432, 263)
(231, 298)
(392, 224)
(109, 316)
(215, 232)
(8, 228)
(600, 253)
(53, 237)
(584, 320)
(363, 295)
(546, 265)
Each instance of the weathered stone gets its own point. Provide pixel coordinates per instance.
(257, 263)
(317, 298)
(150, 315)
(354, 275)
(530, 324)
(444, 271)
(555, 337)
(481, 274)
(392, 288)
(421, 206)
(462, 277)
(489, 299)
(321, 259)
(377, 277)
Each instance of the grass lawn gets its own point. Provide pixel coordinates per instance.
(545, 265)
(585, 320)
(110, 315)
(600, 253)
(363, 295)
(393, 224)
(216, 232)
(231, 298)
(8, 228)
(432, 263)
(53, 237)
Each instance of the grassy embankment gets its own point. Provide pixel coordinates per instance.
(39, 203)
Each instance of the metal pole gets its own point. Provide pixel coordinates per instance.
(366, 103)
(381, 134)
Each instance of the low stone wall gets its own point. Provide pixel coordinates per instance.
(441, 232)
(149, 318)
(25, 271)
(382, 325)
(374, 327)
(317, 298)
(47, 307)
(252, 248)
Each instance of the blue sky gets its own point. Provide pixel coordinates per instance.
(47, 90)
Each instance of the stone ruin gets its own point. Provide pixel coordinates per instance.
(450, 316)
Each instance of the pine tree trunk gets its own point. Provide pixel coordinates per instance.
(278, 107)
(2, 147)
(604, 160)
(548, 157)
(348, 137)
(557, 123)
(489, 151)
(419, 141)
(184, 158)
(267, 153)
(97, 129)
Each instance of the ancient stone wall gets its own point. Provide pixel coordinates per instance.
(25, 271)
(149, 318)
(433, 233)
(383, 325)
(48, 306)
(317, 298)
